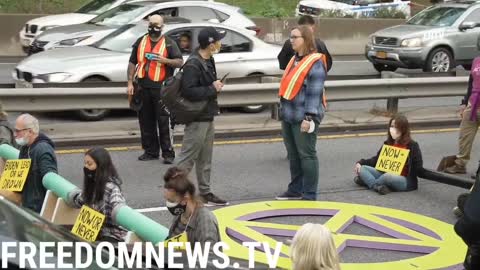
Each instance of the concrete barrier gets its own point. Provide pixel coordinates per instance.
(342, 36)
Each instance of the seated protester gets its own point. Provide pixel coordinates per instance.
(101, 192)
(313, 248)
(383, 183)
(468, 226)
(185, 43)
(190, 214)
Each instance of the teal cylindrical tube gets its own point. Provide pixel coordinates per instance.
(144, 227)
(8, 152)
(58, 185)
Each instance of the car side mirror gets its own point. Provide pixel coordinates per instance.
(468, 25)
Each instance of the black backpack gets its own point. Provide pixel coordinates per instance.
(182, 111)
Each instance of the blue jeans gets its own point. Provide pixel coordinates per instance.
(371, 176)
(302, 154)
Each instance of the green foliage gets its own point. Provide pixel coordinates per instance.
(389, 13)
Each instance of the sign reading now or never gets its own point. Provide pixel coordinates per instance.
(88, 224)
(392, 159)
(15, 174)
(181, 238)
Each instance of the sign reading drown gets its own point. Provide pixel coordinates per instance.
(15, 174)
(88, 224)
(392, 159)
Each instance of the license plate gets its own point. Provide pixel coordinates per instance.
(382, 55)
(23, 84)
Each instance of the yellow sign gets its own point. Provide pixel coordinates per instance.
(181, 238)
(392, 159)
(15, 174)
(435, 242)
(88, 224)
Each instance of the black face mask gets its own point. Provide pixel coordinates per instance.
(90, 174)
(154, 31)
(176, 209)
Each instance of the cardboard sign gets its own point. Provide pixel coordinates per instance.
(392, 159)
(88, 224)
(181, 238)
(15, 174)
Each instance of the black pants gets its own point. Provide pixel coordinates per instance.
(153, 115)
(470, 233)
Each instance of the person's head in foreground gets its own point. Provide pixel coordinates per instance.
(27, 129)
(303, 41)
(179, 191)
(313, 248)
(399, 130)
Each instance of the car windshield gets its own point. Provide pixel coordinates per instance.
(122, 39)
(120, 15)
(438, 16)
(96, 7)
(22, 225)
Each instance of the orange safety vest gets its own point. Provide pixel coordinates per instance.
(156, 71)
(292, 80)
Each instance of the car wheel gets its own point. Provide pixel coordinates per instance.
(439, 60)
(254, 108)
(92, 114)
(383, 67)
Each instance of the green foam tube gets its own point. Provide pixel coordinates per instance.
(8, 152)
(144, 227)
(58, 185)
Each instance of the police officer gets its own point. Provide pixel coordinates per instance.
(154, 58)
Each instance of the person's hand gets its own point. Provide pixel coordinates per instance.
(357, 168)
(305, 126)
(218, 85)
(130, 89)
(461, 110)
(160, 59)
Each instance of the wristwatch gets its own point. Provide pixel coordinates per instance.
(308, 118)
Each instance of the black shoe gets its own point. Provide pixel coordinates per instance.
(212, 199)
(289, 196)
(359, 181)
(381, 189)
(147, 157)
(168, 160)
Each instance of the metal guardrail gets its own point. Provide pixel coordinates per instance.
(62, 99)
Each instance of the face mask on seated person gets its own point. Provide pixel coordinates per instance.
(176, 208)
(395, 133)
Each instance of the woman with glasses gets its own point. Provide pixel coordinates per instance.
(301, 95)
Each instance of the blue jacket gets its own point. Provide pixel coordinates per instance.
(309, 100)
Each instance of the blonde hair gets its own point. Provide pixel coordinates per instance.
(313, 248)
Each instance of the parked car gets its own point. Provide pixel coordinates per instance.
(105, 23)
(355, 8)
(437, 39)
(35, 27)
(241, 55)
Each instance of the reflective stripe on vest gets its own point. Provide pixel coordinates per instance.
(156, 71)
(292, 80)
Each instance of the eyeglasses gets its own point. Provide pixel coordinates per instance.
(295, 37)
(20, 130)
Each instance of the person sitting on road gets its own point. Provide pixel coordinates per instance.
(101, 192)
(384, 183)
(313, 248)
(191, 216)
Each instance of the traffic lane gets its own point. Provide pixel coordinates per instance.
(246, 172)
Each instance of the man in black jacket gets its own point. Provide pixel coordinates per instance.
(154, 58)
(199, 83)
(39, 149)
(287, 52)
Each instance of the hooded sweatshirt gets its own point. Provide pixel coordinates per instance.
(43, 161)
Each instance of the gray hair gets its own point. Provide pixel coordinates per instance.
(30, 122)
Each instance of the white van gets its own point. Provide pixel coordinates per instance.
(350, 7)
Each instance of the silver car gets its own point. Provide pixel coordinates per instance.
(437, 39)
(132, 12)
(241, 55)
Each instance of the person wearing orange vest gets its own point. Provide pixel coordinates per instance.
(303, 106)
(154, 58)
